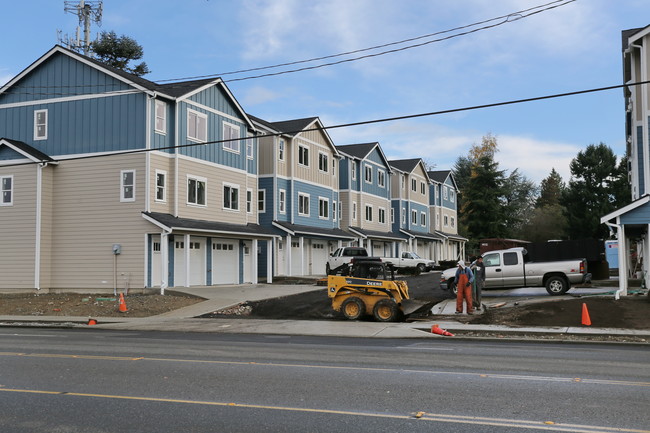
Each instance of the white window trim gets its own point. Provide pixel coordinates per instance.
(354, 210)
(414, 185)
(367, 169)
(249, 200)
(235, 143)
(452, 196)
(198, 179)
(282, 201)
(445, 193)
(369, 206)
(300, 194)
(282, 147)
(334, 210)
(124, 199)
(392, 215)
(300, 152)
(403, 216)
(323, 159)
(423, 188)
(323, 215)
(446, 221)
(163, 106)
(423, 219)
(353, 169)
(223, 189)
(164, 187)
(381, 178)
(414, 217)
(381, 210)
(198, 115)
(250, 146)
(11, 202)
(263, 192)
(44, 136)
(340, 210)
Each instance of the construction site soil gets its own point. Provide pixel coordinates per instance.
(632, 312)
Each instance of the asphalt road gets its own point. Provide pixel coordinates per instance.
(101, 381)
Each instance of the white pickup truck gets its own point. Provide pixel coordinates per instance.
(343, 256)
(511, 269)
(408, 259)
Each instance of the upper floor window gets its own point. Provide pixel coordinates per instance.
(414, 217)
(403, 216)
(423, 219)
(354, 170)
(250, 148)
(446, 220)
(161, 185)
(354, 210)
(231, 133)
(414, 185)
(392, 215)
(381, 178)
(249, 200)
(323, 208)
(453, 222)
(261, 200)
(196, 191)
(323, 163)
(282, 205)
(403, 178)
(127, 185)
(334, 210)
(7, 189)
(303, 204)
(382, 215)
(231, 197)
(40, 125)
(303, 155)
(423, 188)
(368, 174)
(368, 213)
(452, 195)
(161, 117)
(197, 126)
(281, 150)
(445, 192)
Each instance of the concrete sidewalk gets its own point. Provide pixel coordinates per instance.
(221, 297)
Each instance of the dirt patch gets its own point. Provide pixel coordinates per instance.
(629, 312)
(73, 304)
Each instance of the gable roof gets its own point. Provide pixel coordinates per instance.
(441, 176)
(25, 149)
(409, 165)
(362, 150)
(626, 34)
(292, 128)
(174, 90)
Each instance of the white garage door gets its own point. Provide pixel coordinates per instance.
(318, 257)
(225, 261)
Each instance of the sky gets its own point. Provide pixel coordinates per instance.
(575, 46)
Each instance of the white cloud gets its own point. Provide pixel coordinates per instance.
(4, 78)
(259, 95)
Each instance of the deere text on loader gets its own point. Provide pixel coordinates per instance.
(368, 287)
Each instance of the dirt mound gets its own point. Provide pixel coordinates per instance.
(630, 312)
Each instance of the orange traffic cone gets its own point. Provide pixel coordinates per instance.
(92, 322)
(123, 308)
(435, 329)
(585, 315)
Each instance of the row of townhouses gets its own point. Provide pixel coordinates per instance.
(109, 179)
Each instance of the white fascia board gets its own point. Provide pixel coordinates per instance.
(625, 209)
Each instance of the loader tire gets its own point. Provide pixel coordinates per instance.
(353, 308)
(386, 310)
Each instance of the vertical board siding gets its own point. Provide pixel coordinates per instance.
(18, 230)
(88, 218)
(284, 184)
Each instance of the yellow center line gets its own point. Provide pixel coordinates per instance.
(334, 367)
(420, 416)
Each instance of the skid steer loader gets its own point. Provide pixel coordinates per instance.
(368, 287)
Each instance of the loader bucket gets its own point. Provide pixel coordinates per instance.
(410, 306)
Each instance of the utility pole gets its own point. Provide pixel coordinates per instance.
(87, 11)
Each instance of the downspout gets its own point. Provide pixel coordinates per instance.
(617, 294)
(164, 260)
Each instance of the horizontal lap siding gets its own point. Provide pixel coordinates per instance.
(18, 230)
(376, 203)
(47, 206)
(88, 218)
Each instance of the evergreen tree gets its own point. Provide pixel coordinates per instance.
(592, 192)
(118, 52)
(519, 194)
(550, 190)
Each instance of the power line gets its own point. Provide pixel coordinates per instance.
(514, 16)
(352, 124)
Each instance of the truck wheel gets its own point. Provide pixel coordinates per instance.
(421, 267)
(386, 310)
(353, 308)
(556, 286)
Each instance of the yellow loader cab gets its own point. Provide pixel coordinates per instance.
(368, 287)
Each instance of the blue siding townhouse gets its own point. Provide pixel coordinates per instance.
(299, 195)
(631, 224)
(443, 205)
(365, 191)
(410, 202)
(110, 180)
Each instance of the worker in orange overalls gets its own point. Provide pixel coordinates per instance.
(464, 279)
